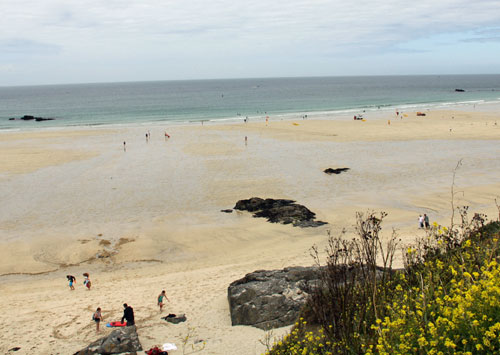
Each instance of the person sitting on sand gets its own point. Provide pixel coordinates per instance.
(87, 282)
(71, 280)
(160, 299)
(128, 315)
(97, 317)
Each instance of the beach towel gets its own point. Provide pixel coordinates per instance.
(169, 346)
(116, 324)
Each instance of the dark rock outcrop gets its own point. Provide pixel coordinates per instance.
(31, 118)
(227, 210)
(271, 299)
(335, 171)
(279, 211)
(121, 340)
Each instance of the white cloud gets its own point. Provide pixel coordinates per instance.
(122, 30)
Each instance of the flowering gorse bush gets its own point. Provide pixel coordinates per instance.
(446, 300)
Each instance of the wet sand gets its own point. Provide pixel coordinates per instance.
(149, 218)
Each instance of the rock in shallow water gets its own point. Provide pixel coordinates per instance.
(31, 118)
(279, 211)
(336, 171)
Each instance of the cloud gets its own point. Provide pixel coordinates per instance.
(7, 68)
(482, 39)
(349, 23)
(27, 47)
(97, 31)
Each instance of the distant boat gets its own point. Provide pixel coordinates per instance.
(459, 90)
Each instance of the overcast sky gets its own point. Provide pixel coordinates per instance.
(66, 41)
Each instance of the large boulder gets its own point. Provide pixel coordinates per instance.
(279, 211)
(271, 299)
(121, 340)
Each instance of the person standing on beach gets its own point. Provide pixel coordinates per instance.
(71, 280)
(421, 221)
(426, 221)
(128, 315)
(161, 296)
(97, 318)
(124, 146)
(87, 282)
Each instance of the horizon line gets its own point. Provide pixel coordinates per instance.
(242, 78)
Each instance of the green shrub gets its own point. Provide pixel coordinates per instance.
(446, 300)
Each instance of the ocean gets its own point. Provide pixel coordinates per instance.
(173, 102)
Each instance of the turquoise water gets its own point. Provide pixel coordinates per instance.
(197, 100)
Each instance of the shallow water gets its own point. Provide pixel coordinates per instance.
(184, 101)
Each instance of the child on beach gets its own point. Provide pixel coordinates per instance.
(97, 318)
(87, 282)
(160, 299)
(71, 280)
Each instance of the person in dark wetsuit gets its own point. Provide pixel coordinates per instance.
(128, 314)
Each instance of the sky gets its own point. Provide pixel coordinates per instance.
(66, 41)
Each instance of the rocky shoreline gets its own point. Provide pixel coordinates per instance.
(31, 118)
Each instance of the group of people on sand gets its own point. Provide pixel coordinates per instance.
(128, 312)
(423, 221)
(128, 315)
(148, 137)
(86, 281)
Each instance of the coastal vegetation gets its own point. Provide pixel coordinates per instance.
(445, 300)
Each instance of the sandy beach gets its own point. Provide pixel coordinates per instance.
(148, 219)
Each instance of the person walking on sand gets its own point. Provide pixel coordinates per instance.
(97, 318)
(161, 296)
(124, 146)
(421, 221)
(426, 221)
(87, 282)
(71, 280)
(128, 315)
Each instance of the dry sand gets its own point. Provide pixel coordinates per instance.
(149, 218)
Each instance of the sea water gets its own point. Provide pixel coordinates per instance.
(235, 99)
